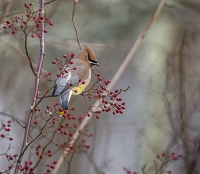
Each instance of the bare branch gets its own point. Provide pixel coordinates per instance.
(73, 21)
(37, 82)
(49, 2)
(113, 82)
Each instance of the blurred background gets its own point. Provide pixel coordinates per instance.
(163, 106)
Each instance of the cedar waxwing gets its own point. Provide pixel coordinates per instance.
(78, 76)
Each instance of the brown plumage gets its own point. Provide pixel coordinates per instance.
(83, 55)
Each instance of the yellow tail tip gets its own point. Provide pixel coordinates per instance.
(64, 112)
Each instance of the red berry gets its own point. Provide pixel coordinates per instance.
(2, 135)
(45, 31)
(7, 129)
(55, 162)
(10, 167)
(64, 56)
(28, 15)
(35, 122)
(58, 75)
(13, 32)
(10, 138)
(32, 35)
(72, 55)
(31, 169)
(48, 106)
(4, 26)
(50, 23)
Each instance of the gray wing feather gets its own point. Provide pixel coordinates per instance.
(63, 83)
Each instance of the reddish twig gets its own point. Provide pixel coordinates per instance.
(113, 82)
(73, 21)
(37, 82)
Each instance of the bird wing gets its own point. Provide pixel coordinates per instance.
(71, 79)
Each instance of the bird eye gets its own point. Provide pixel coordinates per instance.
(93, 62)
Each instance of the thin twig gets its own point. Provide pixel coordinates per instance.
(48, 96)
(26, 50)
(49, 2)
(37, 82)
(73, 21)
(23, 55)
(6, 12)
(113, 82)
(11, 116)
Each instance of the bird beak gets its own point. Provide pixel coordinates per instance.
(97, 64)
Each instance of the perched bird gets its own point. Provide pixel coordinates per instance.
(76, 76)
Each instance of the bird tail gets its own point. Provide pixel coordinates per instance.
(64, 100)
(54, 91)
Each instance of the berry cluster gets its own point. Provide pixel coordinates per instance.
(163, 160)
(128, 171)
(171, 157)
(109, 101)
(27, 167)
(7, 128)
(5, 135)
(35, 18)
(63, 63)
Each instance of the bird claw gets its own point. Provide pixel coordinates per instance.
(84, 93)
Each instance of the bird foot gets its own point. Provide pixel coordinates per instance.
(84, 93)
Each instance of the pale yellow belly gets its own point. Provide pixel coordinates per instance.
(81, 87)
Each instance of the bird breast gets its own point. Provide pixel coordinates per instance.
(80, 88)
